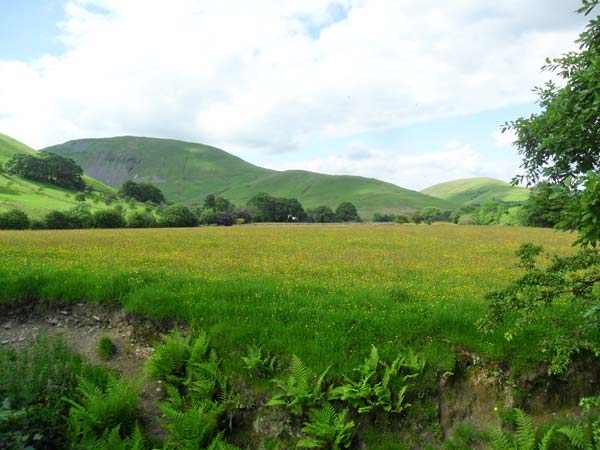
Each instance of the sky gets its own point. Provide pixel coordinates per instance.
(409, 92)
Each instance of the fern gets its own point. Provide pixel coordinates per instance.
(524, 437)
(192, 427)
(525, 434)
(299, 390)
(219, 444)
(372, 387)
(101, 410)
(112, 440)
(586, 436)
(257, 363)
(170, 358)
(327, 429)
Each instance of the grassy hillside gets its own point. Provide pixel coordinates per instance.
(9, 146)
(470, 191)
(187, 172)
(37, 198)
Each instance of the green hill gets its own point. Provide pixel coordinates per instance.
(470, 191)
(9, 146)
(187, 172)
(37, 198)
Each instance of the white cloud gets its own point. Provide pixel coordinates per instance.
(270, 75)
(456, 160)
(504, 138)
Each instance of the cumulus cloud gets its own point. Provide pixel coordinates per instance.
(270, 76)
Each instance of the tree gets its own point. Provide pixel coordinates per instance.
(47, 167)
(137, 219)
(58, 220)
(14, 220)
(222, 204)
(142, 192)
(177, 216)
(561, 145)
(346, 212)
(109, 218)
(209, 201)
(430, 214)
(322, 214)
(264, 206)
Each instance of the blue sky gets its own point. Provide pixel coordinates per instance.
(409, 92)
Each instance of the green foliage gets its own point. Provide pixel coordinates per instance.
(585, 436)
(327, 429)
(524, 436)
(189, 426)
(177, 216)
(300, 390)
(566, 280)
(137, 219)
(346, 212)
(14, 220)
(430, 214)
(97, 410)
(276, 209)
(106, 348)
(321, 214)
(142, 192)
(33, 383)
(113, 440)
(47, 167)
(109, 218)
(378, 217)
(258, 363)
(169, 361)
(380, 384)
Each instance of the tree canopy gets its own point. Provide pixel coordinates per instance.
(46, 167)
(142, 192)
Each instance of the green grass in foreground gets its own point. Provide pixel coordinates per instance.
(325, 293)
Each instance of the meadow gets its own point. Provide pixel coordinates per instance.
(325, 293)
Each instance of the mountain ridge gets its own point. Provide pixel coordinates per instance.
(187, 172)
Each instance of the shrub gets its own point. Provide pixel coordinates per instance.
(177, 216)
(14, 220)
(35, 380)
(106, 218)
(80, 217)
(138, 219)
(106, 348)
(209, 217)
(58, 220)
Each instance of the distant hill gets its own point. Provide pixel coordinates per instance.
(37, 198)
(471, 191)
(187, 172)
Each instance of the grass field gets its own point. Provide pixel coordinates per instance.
(325, 293)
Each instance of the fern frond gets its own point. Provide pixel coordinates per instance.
(525, 434)
(500, 440)
(546, 439)
(577, 436)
